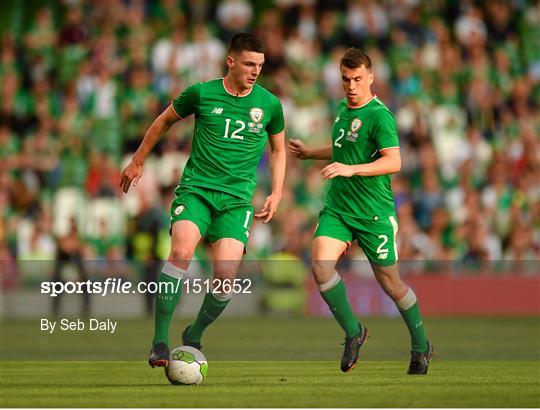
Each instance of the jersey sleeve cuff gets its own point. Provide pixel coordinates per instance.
(382, 149)
(275, 134)
(178, 115)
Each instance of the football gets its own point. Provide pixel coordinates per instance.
(187, 365)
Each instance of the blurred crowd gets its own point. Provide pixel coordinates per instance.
(82, 81)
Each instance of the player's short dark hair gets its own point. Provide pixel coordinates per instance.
(245, 42)
(355, 58)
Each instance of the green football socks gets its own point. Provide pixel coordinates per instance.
(212, 306)
(166, 300)
(408, 307)
(335, 296)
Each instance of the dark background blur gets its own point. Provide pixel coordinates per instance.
(82, 81)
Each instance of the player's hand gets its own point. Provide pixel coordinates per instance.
(298, 149)
(269, 208)
(337, 169)
(132, 173)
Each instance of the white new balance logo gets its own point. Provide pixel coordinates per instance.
(217, 110)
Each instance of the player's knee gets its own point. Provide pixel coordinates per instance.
(181, 255)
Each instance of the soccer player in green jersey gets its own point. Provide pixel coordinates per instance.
(360, 205)
(234, 120)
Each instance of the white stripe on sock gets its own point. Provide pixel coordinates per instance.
(407, 301)
(222, 297)
(330, 284)
(173, 270)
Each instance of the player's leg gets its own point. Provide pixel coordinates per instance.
(227, 257)
(332, 239)
(185, 237)
(325, 253)
(228, 234)
(407, 304)
(190, 218)
(378, 240)
(405, 300)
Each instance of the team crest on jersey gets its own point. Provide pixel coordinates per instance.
(179, 209)
(256, 114)
(356, 124)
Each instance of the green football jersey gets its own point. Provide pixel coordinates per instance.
(230, 135)
(358, 136)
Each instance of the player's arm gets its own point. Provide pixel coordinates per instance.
(277, 161)
(134, 170)
(388, 163)
(301, 151)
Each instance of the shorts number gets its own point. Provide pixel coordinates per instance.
(341, 134)
(382, 253)
(248, 214)
(234, 134)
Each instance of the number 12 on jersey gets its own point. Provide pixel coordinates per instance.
(242, 126)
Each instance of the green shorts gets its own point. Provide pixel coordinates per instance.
(377, 238)
(217, 214)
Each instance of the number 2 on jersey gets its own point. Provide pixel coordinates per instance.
(341, 134)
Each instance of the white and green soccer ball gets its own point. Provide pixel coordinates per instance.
(187, 365)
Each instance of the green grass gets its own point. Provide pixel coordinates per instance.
(272, 384)
(285, 363)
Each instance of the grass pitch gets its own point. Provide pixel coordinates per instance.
(284, 363)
